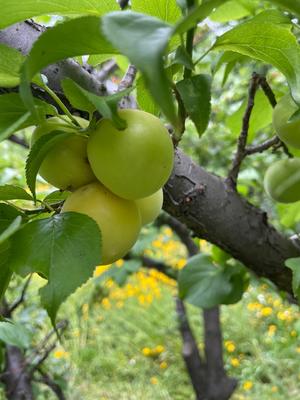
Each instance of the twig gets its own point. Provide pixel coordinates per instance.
(47, 380)
(21, 299)
(127, 81)
(242, 140)
(267, 90)
(16, 139)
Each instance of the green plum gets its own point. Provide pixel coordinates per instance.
(282, 180)
(66, 166)
(118, 219)
(135, 162)
(150, 206)
(287, 131)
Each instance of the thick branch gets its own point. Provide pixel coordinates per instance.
(217, 213)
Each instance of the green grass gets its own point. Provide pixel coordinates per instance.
(104, 348)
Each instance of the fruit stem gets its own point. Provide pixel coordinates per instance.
(61, 105)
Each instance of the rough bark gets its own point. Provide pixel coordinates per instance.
(202, 201)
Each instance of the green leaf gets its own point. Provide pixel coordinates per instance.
(143, 39)
(206, 285)
(294, 265)
(166, 10)
(15, 334)
(10, 64)
(196, 94)
(271, 43)
(15, 10)
(37, 154)
(107, 105)
(197, 15)
(183, 58)
(72, 38)
(64, 248)
(12, 192)
(14, 115)
(261, 116)
(7, 215)
(232, 10)
(291, 5)
(5, 271)
(56, 196)
(11, 229)
(144, 99)
(76, 97)
(203, 284)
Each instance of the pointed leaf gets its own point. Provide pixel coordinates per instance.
(56, 196)
(7, 215)
(76, 97)
(196, 94)
(166, 10)
(15, 10)
(267, 42)
(294, 265)
(107, 105)
(11, 192)
(64, 248)
(15, 334)
(37, 154)
(143, 39)
(144, 99)
(10, 64)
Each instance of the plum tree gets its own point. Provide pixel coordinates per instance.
(118, 219)
(150, 206)
(282, 180)
(66, 165)
(288, 131)
(135, 162)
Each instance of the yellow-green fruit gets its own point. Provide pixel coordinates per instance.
(150, 206)
(282, 180)
(288, 132)
(135, 162)
(118, 219)
(66, 166)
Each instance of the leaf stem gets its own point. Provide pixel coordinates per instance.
(61, 105)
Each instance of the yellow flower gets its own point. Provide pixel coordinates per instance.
(181, 263)
(247, 385)
(234, 362)
(230, 346)
(163, 365)
(298, 349)
(153, 380)
(293, 333)
(272, 329)
(159, 349)
(266, 311)
(157, 243)
(60, 354)
(101, 269)
(274, 389)
(106, 303)
(254, 306)
(119, 263)
(146, 351)
(167, 231)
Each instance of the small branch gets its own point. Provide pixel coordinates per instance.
(267, 91)
(47, 380)
(127, 81)
(16, 139)
(190, 353)
(242, 140)
(273, 142)
(21, 299)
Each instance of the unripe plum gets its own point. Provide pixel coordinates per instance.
(150, 206)
(66, 165)
(118, 219)
(135, 162)
(282, 180)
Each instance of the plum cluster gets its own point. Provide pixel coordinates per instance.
(282, 178)
(115, 176)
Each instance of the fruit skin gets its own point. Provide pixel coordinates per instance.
(66, 166)
(282, 180)
(150, 206)
(118, 219)
(135, 162)
(288, 132)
